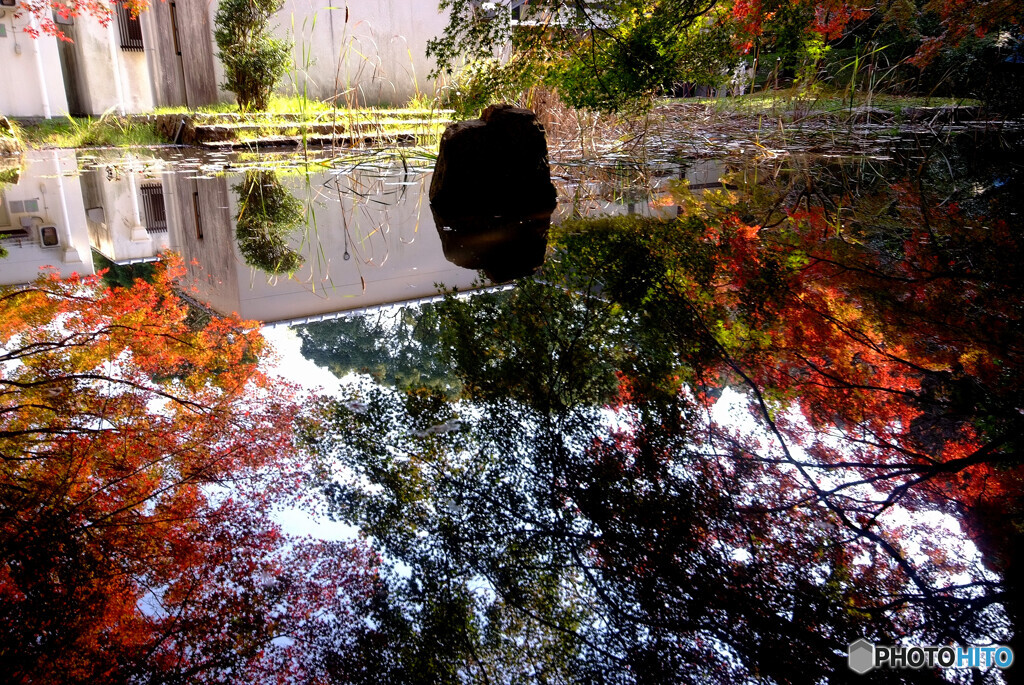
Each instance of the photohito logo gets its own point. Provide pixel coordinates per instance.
(863, 656)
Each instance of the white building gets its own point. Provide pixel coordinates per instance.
(42, 219)
(370, 241)
(125, 211)
(364, 52)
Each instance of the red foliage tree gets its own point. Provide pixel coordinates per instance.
(100, 10)
(141, 455)
(893, 332)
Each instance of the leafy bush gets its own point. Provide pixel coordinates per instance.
(253, 60)
(486, 82)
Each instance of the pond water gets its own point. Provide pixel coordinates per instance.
(787, 377)
(348, 234)
(776, 407)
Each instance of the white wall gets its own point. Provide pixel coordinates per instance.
(365, 52)
(395, 253)
(116, 223)
(108, 87)
(359, 52)
(49, 177)
(31, 84)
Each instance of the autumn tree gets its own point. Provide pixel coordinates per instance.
(610, 554)
(603, 56)
(141, 457)
(614, 55)
(895, 339)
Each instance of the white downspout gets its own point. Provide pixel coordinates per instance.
(71, 255)
(138, 231)
(40, 70)
(112, 40)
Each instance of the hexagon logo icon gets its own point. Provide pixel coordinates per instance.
(861, 656)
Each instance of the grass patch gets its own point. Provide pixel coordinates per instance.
(291, 116)
(777, 102)
(281, 107)
(75, 132)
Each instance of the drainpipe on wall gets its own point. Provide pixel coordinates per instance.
(40, 70)
(138, 231)
(152, 59)
(71, 255)
(112, 40)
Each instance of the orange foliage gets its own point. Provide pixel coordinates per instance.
(140, 457)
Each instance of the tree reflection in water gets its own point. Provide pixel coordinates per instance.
(579, 514)
(267, 215)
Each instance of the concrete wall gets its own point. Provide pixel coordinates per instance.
(113, 79)
(49, 181)
(394, 251)
(359, 52)
(31, 84)
(114, 213)
(202, 231)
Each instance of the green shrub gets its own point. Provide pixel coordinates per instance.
(254, 61)
(267, 215)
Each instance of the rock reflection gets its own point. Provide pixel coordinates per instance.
(503, 248)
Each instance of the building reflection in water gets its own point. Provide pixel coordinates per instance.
(368, 237)
(42, 217)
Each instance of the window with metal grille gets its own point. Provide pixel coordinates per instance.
(130, 28)
(153, 208)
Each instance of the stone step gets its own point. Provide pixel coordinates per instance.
(197, 129)
(218, 132)
(340, 115)
(403, 137)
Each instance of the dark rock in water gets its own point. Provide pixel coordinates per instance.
(503, 248)
(493, 166)
(492, 195)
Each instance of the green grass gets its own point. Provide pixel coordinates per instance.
(75, 132)
(109, 131)
(313, 109)
(134, 131)
(777, 102)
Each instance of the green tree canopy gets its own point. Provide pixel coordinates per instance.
(267, 215)
(254, 61)
(398, 348)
